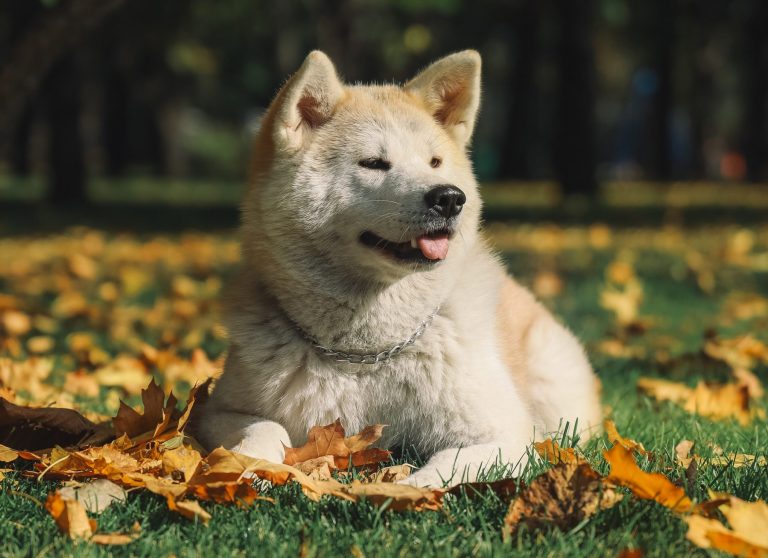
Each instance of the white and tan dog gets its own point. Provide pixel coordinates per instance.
(361, 242)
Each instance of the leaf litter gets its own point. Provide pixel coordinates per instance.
(149, 447)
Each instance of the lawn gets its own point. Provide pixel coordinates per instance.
(89, 295)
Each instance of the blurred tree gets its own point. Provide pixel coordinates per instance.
(574, 149)
(754, 69)
(524, 18)
(663, 19)
(48, 38)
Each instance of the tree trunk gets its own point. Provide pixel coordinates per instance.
(43, 44)
(66, 166)
(755, 84)
(663, 60)
(574, 153)
(515, 161)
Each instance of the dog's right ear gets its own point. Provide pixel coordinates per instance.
(307, 101)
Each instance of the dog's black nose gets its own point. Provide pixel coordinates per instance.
(446, 199)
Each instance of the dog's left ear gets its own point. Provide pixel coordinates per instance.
(450, 88)
(307, 101)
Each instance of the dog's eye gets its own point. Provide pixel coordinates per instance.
(375, 163)
(435, 162)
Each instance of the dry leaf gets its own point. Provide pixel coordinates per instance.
(561, 497)
(736, 460)
(190, 509)
(615, 438)
(554, 454)
(505, 489)
(740, 352)
(748, 535)
(397, 497)
(32, 428)
(648, 486)
(95, 496)
(70, 516)
(715, 401)
(331, 440)
(7, 454)
(155, 419)
(393, 473)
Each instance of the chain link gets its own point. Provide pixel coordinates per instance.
(370, 358)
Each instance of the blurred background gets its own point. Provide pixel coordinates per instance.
(139, 101)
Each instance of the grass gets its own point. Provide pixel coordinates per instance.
(680, 311)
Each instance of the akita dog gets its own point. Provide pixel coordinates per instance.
(367, 292)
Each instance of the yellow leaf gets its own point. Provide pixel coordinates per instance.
(7, 454)
(748, 535)
(715, 401)
(70, 516)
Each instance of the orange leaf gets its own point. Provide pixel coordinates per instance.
(648, 486)
(189, 509)
(330, 440)
(615, 438)
(549, 450)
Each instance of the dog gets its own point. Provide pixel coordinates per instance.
(368, 293)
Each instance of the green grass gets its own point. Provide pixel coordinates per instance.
(295, 526)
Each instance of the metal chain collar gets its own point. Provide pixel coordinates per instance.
(371, 358)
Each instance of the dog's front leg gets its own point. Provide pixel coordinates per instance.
(453, 466)
(244, 433)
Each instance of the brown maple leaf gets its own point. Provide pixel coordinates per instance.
(330, 440)
(156, 417)
(561, 497)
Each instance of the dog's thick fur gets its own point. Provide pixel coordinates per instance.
(492, 368)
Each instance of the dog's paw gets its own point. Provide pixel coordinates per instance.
(263, 440)
(426, 477)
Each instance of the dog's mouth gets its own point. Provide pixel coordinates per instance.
(428, 248)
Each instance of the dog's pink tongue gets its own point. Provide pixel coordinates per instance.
(433, 247)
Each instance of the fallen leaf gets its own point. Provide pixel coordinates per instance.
(155, 418)
(70, 516)
(749, 380)
(747, 535)
(393, 473)
(125, 372)
(81, 383)
(33, 428)
(715, 401)
(397, 497)
(7, 454)
(615, 438)
(740, 352)
(561, 497)
(736, 460)
(647, 486)
(554, 454)
(190, 509)
(505, 489)
(95, 496)
(331, 440)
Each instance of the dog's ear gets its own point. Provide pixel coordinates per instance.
(450, 88)
(307, 101)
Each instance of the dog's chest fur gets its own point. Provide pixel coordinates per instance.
(424, 394)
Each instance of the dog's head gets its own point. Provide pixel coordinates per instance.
(374, 181)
